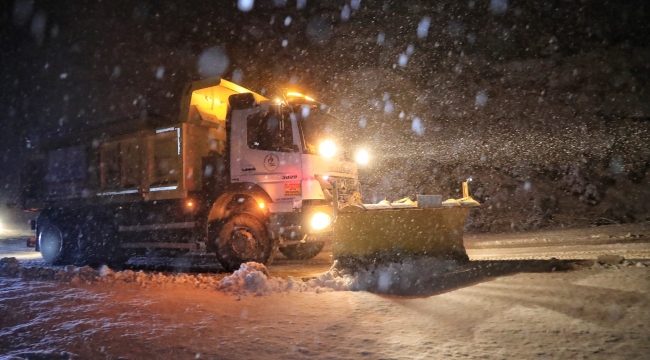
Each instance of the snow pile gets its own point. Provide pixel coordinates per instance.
(10, 267)
(146, 278)
(332, 280)
(253, 278)
(413, 276)
(105, 271)
(407, 277)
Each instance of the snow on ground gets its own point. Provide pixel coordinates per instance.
(598, 311)
(408, 277)
(252, 278)
(546, 309)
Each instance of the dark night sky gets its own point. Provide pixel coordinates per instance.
(71, 64)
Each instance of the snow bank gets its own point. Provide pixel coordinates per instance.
(11, 267)
(395, 278)
(411, 276)
(251, 278)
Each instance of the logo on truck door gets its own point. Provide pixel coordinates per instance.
(271, 162)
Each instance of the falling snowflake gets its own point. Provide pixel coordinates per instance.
(245, 5)
(417, 126)
(481, 98)
(423, 27)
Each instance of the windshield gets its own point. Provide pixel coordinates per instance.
(316, 126)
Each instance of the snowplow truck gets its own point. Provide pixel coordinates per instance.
(235, 174)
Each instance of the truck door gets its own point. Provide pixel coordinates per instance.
(266, 151)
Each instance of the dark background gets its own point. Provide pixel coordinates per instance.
(545, 104)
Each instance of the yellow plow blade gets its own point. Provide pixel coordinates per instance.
(366, 233)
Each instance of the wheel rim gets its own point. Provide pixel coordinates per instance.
(243, 243)
(51, 243)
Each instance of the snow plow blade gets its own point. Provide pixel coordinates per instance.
(389, 233)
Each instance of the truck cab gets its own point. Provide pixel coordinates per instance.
(274, 157)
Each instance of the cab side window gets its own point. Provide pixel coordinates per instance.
(269, 131)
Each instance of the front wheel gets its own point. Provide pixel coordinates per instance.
(302, 251)
(243, 238)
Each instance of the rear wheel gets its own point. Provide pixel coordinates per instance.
(55, 243)
(302, 251)
(243, 238)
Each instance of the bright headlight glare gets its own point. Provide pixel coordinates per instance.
(327, 148)
(362, 157)
(320, 221)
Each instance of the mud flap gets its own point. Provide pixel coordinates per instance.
(392, 234)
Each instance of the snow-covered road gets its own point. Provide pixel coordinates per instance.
(596, 312)
(499, 309)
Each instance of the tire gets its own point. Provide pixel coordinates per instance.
(56, 243)
(302, 251)
(243, 238)
(94, 243)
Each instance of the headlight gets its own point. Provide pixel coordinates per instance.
(320, 221)
(362, 157)
(327, 149)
